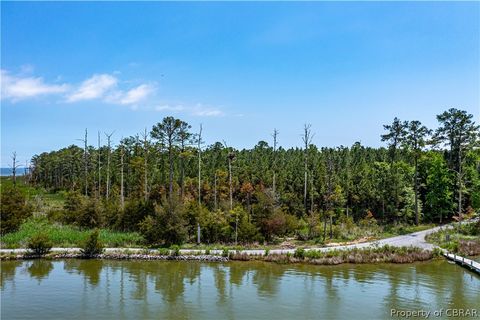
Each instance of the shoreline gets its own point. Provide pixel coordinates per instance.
(385, 254)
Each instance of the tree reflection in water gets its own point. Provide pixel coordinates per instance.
(170, 289)
(39, 268)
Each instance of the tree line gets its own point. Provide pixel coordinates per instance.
(170, 186)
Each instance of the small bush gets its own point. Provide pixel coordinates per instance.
(225, 253)
(175, 250)
(267, 251)
(39, 244)
(92, 245)
(163, 251)
(299, 253)
(207, 252)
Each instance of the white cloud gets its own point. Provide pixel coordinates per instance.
(202, 111)
(177, 108)
(197, 110)
(93, 88)
(17, 88)
(136, 94)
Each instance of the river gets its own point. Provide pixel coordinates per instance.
(96, 289)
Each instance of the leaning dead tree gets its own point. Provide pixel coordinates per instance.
(307, 140)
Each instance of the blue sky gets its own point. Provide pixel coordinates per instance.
(240, 69)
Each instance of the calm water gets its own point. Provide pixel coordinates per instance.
(95, 289)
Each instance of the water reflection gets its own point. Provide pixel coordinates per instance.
(8, 271)
(143, 289)
(39, 269)
(90, 269)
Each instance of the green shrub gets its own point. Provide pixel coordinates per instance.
(225, 252)
(175, 250)
(39, 244)
(92, 245)
(299, 253)
(267, 251)
(13, 209)
(163, 251)
(207, 251)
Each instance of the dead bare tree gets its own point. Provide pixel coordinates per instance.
(307, 140)
(274, 135)
(145, 164)
(99, 166)
(85, 159)
(14, 168)
(199, 180)
(122, 197)
(231, 157)
(109, 136)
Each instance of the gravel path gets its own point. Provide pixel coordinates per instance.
(416, 239)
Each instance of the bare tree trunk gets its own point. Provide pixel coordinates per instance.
(307, 139)
(14, 168)
(417, 219)
(145, 164)
(199, 181)
(85, 161)
(460, 183)
(99, 167)
(122, 199)
(170, 164)
(215, 190)
(108, 164)
(275, 134)
(230, 182)
(230, 158)
(331, 228)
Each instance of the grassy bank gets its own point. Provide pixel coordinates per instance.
(384, 254)
(65, 236)
(463, 239)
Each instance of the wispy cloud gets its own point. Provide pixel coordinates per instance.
(136, 94)
(197, 110)
(15, 88)
(93, 88)
(202, 111)
(106, 88)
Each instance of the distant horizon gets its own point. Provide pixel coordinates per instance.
(240, 69)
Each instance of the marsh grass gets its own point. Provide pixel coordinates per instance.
(385, 254)
(66, 236)
(462, 239)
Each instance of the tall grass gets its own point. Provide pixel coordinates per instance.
(66, 236)
(385, 254)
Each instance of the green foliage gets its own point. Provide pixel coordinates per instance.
(167, 226)
(397, 185)
(299, 253)
(13, 209)
(92, 245)
(163, 251)
(39, 244)
(225, 252)
(66, 235)
(175, 250)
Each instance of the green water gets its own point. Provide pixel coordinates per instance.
(95, 289)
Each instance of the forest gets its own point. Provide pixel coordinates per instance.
(172, 188)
